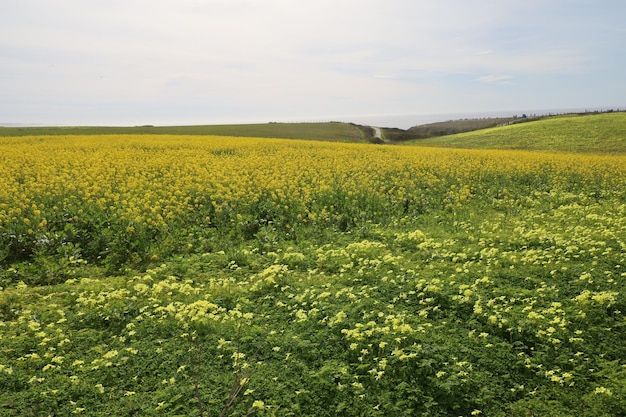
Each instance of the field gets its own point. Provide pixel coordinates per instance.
(595, 133)
(165, 275)
(331, 131)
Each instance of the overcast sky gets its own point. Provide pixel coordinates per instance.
(127, 62)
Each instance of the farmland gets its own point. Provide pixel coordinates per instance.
(330, 131)
(166, 275)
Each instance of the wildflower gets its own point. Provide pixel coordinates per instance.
(6, 369)
(603, 391)
(110, 354)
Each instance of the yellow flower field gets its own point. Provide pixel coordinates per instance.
(187, 275)
(150, 180)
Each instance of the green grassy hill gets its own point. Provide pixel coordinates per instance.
(333, 131)
(452, 127)
(594, 133)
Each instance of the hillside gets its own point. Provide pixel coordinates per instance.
(332, 131)
(594, 133)
(451, 127)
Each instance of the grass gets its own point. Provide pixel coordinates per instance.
(449, 127)
(332, 131)
(595, 133)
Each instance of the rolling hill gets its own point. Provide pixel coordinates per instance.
(593, 133)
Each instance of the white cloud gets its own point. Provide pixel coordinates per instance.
(495, 78)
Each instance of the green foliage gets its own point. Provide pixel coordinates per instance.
(499, 314)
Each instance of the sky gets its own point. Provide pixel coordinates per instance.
(175, 62)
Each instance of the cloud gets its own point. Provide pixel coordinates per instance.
(495, 78)
(386, 76)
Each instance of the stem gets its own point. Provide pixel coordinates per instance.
(195, 372)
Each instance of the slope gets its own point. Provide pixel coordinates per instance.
(594, 133)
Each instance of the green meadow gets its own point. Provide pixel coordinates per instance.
(592, 133)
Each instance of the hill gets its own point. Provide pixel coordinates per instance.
(331, 131)
(592, 133)
(451, 127)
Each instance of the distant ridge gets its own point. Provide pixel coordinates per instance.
(331, 131)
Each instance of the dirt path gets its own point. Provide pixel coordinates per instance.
(378, 133)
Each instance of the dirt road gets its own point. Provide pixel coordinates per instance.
(378, 133)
